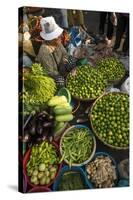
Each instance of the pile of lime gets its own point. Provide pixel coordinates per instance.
(111, 68)
(110, 119)
(86, 83)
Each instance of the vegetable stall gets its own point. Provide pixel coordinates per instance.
(74, 137)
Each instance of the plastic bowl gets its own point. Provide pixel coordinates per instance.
(40, 189)
(73, 102)
(113, 162)
(67, 169)
(24, 183)
(25, 161)
(65, 92)
(58, 133)
(94, 144)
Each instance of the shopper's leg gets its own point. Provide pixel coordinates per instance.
(102, 22)
(110, 27)
(126, 42)
(119, 31)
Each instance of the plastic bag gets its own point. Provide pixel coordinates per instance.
(125, 86)
(123, 169)
(125, 61)
(112, 89)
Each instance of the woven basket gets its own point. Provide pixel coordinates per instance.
(85, 99)
(114, 147)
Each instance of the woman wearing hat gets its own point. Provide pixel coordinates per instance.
(52, 54)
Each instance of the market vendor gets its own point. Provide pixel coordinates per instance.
(52, 54)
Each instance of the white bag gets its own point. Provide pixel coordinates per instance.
(112, 89)
(125, 86)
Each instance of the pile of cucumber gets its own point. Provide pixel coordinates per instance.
(62, 111)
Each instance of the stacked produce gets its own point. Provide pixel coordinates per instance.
(77, 145)
(40, 125)
(71, 180)
(87, 83)
(49, 121)
(38, 89)
(43, 164)
(110, 119)
(102, 172)
(111, 68)
(62, 111)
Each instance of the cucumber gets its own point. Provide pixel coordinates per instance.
(64, 104)
(57, 100)
(58, 126)
(62, 110)
(64, 118)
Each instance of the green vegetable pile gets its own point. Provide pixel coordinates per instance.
(87, 83)
(111, 68)
(38, 89)
(76, 146)
(110, 119)
(71, 181)
(43, 164)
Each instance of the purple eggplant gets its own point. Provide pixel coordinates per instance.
(32, 130)
(47, 124)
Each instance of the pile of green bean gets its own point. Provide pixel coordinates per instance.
(77, 146)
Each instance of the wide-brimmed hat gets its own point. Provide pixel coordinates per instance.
(50, 30)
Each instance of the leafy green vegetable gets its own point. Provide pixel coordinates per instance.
(37, 90)
(71, 181)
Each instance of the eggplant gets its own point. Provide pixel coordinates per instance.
(82, 120)
(26, 138)
(32, 130)
(47, 124)
(42, 114)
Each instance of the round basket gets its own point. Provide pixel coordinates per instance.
(84, 99)
(117, 81)
(105, 154)
(109, 145)
(94, 144)
(25, 161)
(65, 169)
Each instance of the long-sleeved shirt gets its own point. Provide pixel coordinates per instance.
(51, 60)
